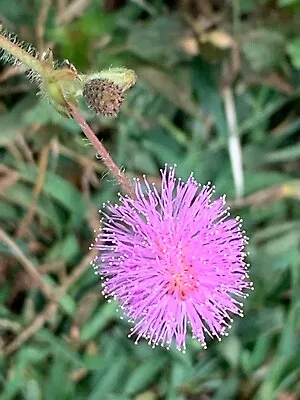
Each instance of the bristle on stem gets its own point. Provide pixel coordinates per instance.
(20, 54)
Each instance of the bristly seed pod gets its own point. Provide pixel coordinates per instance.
(103, 96)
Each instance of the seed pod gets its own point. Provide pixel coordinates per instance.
(103, 96)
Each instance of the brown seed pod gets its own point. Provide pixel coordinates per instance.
(103, 96)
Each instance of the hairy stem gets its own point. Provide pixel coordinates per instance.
(105, 157)
(10, 45)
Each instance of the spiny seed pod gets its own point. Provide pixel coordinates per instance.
(103, 96)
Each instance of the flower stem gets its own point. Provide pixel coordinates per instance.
(10, 45)
(105, 157)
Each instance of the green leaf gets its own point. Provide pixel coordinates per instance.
(265, 321)
(293, 50)
(143, 375)
(205, 85)
(57, 345)
(230, 348)
(44, 113)
(263, 49)
(18, 380)
(175, 89)
(32, 390)
(289, 339)
(21, 195)
(286, 3)
(60, 190)
(110, 380)
(158, 40)
(285, 154)
(58, 383)
(66, 249)
(7, 211)
(259, 353)
(14, 121)
(105, 314)
(228, 389)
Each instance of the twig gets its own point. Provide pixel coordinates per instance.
(9, 72)
(13, 326)
(31, 329)
(41, 22)
(267, 196)
(28, 266)
(6, 90)
(145, 6)
(51, 308)
(81, 159)
(78, 271)
(51, 267)
(14, 150)
(9, 180)
(21, 142)
(43, 162)
(74, 10)
(61, 5)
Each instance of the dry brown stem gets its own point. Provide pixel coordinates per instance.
(51, 308)
(74, 10)
(41, 22)
(28, 266)
(42, 168)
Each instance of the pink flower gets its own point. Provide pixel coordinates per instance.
(173, 260)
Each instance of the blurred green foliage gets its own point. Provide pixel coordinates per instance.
(188, 56)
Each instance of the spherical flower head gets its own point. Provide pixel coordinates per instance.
(103, 96)
(174, 260)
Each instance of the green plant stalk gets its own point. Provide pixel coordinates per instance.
(20, 54)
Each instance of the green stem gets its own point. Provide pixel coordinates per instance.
(18, 53)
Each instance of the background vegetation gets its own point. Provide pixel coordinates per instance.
(217, 82)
